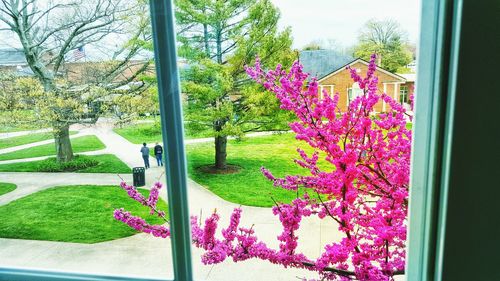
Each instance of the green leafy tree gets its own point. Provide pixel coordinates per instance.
(48, 33)
(219, 38)
(312, 46)
(9, 99)
(386, 39)
(127, 107)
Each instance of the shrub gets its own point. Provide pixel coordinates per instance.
(78, 163)
(153, 130)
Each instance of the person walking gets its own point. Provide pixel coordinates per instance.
(158, 154)
(145, 155)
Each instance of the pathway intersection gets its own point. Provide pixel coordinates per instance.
(143, 255)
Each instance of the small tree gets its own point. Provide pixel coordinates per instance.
(219, 38)
(8, 100)
(361, 185)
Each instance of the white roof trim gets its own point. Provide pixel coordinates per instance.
(402, 79)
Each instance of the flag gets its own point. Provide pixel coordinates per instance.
(78, 53)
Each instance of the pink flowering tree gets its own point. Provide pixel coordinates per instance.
(361, 184)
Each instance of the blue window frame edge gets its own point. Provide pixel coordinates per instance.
(163, 23)
(434, 104)
(24, 274)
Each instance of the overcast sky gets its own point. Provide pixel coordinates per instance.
(341, 19)
(336, 19)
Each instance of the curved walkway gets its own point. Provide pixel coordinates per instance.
(22, 133)
(28, 145)
(143, 255)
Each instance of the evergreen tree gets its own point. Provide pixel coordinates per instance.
(219, 38)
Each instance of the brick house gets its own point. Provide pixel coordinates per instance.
(330, 69)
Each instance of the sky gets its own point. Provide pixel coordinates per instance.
(342, 19)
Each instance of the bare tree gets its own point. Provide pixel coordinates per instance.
(381, 32)
(388, 40)
(50, 31)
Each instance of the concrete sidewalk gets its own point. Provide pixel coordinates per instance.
(22, 133)
(145, 255)
(95, 152)
(28, 145)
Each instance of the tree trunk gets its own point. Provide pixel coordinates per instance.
(220, 152)
(63, 144)
(205, 38)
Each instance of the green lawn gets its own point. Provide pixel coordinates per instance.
(80, 213)
(107, 163)
(31, 138)
(249, 186)
(80, 144)
(15, 128)
(139, 133)
(151, 132)
(6, 187)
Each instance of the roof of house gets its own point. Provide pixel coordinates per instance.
(342, 67)
(410, 77)
(12, 56)
(319, 63)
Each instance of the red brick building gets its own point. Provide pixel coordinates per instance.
(333, 76)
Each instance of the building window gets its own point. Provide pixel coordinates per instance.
(353, 92)
(403, 94)
(329, 89)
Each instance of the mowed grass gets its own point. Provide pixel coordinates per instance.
(107, 163)
(80, 213)
(6, 187)
(15, 128)
(31, 138)
(80, 144)
(151, 133)
(139, 133)
(249, 186)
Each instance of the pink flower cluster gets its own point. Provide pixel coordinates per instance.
(139, 223)
(362, 184)
(150, 202)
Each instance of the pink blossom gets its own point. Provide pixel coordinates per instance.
(362, 184)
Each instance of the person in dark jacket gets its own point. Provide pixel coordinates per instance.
(145, 155)
(158, 154)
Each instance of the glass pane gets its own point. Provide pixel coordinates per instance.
(234, 127)
(78, 92)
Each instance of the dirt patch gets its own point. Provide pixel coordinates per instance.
(210, 169)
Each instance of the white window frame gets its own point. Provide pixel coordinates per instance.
(403, 91)
(438, 64)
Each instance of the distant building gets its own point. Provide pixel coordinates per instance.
(329, 68)
(319, 63)
(12, 59)
(76, 71)
(412, 66)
